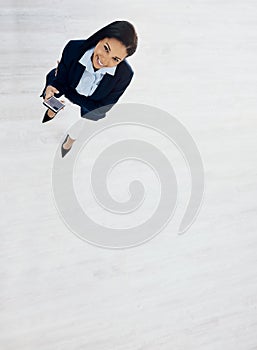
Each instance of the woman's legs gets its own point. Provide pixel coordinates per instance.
(74, 133)
(77, 127)
(68, 143)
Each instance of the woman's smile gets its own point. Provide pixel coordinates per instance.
(99, 61)
(108, 52)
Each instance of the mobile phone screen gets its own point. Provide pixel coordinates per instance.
(54, 104)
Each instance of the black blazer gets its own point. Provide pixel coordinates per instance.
(108, 92)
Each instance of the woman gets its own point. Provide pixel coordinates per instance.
(93, 73)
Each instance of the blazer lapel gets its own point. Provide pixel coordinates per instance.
(104, 87)
(78, 69)
(75, 74)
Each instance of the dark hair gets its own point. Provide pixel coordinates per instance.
(120, 30)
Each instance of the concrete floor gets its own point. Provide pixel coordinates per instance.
(195, 60)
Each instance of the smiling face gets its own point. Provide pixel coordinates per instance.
(109, 52)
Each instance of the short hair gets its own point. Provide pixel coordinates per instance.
(123, 31)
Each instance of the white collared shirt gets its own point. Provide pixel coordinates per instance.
(90, 79)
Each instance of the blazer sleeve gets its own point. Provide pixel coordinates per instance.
(95, 110)
(60, 81)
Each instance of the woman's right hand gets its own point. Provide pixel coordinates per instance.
(50, 91)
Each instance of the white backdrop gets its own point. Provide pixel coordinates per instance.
(195, 60)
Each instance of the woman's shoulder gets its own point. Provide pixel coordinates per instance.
(125, 68)
(75, 48)
(76, 44)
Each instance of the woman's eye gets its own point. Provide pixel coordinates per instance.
(106, 48)
(116, 60)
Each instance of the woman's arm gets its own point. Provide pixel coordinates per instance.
(60, 81)
(88, 105)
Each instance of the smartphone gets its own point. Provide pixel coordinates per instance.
(54, 104)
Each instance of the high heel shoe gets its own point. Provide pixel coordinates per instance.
(65, 151)
(47, 118)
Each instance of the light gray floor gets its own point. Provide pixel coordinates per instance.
(196, 60)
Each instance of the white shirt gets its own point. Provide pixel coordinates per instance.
(90, 79)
